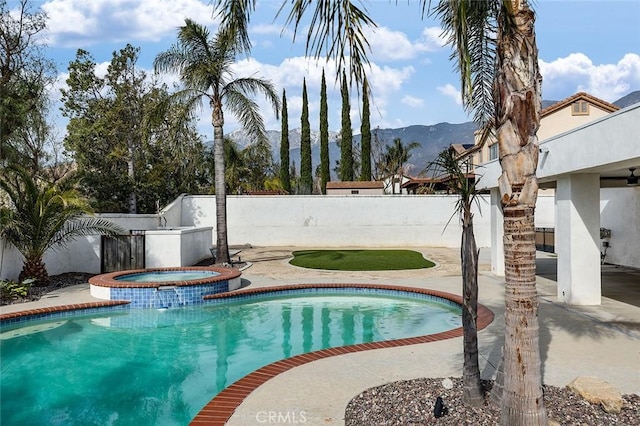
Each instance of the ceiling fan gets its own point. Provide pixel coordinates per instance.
(632, 179)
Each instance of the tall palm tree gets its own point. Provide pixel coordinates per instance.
(447, 166)
(494, 46)
(204, 64)
(501, 83)
(42, 216)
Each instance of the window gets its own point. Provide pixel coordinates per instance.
(493, 151)
(580, 108)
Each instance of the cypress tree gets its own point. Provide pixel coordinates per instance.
(346, 142)
(306, 173)
(325, 175)
(365, 133)
(285, 177)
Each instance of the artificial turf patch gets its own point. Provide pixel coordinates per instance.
(360, 260)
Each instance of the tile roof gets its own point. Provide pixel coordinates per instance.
(579, 96)
(355, 184)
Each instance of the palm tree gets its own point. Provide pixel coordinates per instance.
(204, 65)
(43, 216)
(501, 83)
(494, 46)
(446, 165)
(394, 159)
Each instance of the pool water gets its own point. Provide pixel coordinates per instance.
(151, 367)
(166, 276)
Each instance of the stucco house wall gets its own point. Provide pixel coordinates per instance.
(556, 119)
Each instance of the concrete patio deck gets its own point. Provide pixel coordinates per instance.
(601, 341)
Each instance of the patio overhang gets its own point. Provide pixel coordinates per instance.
(578, 163)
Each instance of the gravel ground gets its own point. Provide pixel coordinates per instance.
(411, 403)
(55, 282)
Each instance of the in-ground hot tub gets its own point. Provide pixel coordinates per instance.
(164, 287)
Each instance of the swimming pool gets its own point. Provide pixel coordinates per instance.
(141, 366)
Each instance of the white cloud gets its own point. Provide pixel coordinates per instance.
(450, 91)
(74, 22)
(389, 45)
(412, 101)
(432, 39)
(386, 84)
(577, 73)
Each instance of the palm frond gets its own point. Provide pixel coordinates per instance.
(255, 86)
(469, 27)
(171, 60)
(335, 31)
(246, 110)
(447, 167)
(42, 212)
(235, 16)
(80, 227)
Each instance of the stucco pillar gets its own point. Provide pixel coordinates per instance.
(497, 232)
(578, 239)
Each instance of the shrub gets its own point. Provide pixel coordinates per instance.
(11, 290)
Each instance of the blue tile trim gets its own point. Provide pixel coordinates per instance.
(48, 316)
(151, 297)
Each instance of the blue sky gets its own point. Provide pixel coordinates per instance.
(591, 46)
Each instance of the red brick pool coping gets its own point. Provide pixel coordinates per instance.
(111, 279)
(223, 405)
(61, 308)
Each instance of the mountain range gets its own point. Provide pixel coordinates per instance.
(432, 139)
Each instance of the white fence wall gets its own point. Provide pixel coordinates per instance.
(325, 221)
(338, 221)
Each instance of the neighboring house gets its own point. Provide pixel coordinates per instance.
(556, 119)
(394, 184)
(355, 188)
(439, 184)
(460, 151)
(428, 185)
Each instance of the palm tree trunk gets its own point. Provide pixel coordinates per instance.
(222, 247)
(522, 402)
(472, 388)
(35, 268)
(518, 102)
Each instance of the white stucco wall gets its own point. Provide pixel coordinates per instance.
(10, 261)
(176, 247)
(620, 212)
(132, 221)
(545, 210)
(339, 221)
(326, 221)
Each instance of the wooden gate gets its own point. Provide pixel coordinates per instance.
(123, 252)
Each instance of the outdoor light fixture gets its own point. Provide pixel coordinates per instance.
(632, 180)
